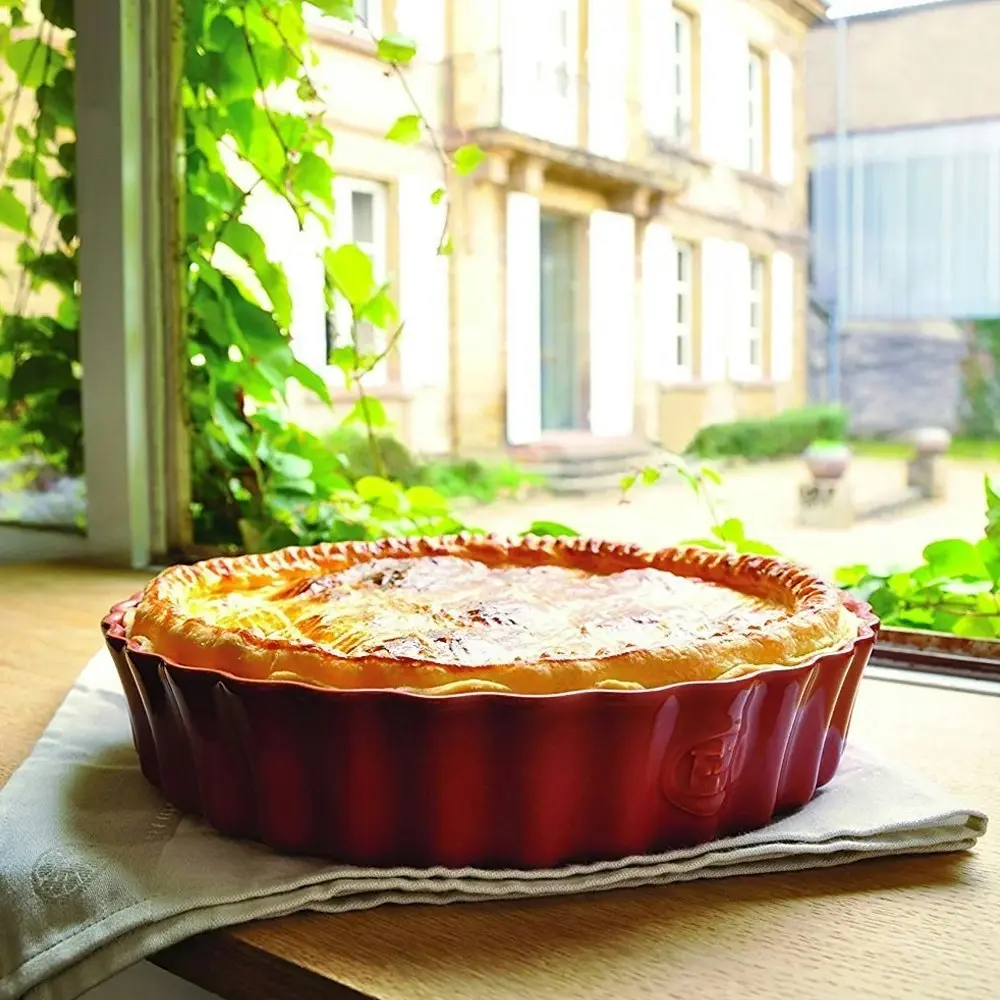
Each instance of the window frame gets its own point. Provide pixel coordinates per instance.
(756, 122)
(681, 126)
(752, 366)
(681, 348)
(340, 317)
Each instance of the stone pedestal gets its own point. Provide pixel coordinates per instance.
(927, 471)
(928, 475)
(825, 502)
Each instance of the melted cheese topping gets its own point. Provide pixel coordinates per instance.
(462, 613)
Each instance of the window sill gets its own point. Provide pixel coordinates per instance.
(343, 38)
(754, 384)
(389, 391)
(762, 181)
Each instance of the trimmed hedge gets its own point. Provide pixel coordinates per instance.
(788, 433)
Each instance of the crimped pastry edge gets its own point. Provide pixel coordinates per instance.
(820, 624)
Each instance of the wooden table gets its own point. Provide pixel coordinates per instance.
(924, 927)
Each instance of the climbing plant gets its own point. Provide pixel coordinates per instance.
(981, 405)
(258, 479)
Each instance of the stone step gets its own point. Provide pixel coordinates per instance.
(585, 465)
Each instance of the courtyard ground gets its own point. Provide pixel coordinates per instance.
(765, 497)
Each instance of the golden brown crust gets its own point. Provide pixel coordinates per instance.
(812, 619)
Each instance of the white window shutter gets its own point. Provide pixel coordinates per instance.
(612, 324)
(424, 22)
(424, 345)
(782, 317)
(341, 233)
(607, 64)
(298, 253)
(524, 345)
(738, 301)
(725, 86)
(659, 307)
(657, 66)
(738, 104)
(782, 122)
(715, 295)
(306, 280)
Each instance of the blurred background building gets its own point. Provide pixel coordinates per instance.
(628, 263)
(903, 115)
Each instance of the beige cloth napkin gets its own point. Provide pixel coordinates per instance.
(96, 872)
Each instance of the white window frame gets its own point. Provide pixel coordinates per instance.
(753, 360)
(756, 137)
(682, 82)
(129, 412)
(681, 347)
(345, 190)
(555, 59)
(313, 15)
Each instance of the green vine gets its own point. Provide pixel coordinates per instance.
(258, 480)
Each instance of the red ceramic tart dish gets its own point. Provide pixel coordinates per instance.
(478, 701)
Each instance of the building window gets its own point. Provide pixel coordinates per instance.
(683, 77)
(681, 348)
(755, 113)
(754, 358)
(362, 221)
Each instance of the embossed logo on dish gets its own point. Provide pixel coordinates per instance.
(697, 778)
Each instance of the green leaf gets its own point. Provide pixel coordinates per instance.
(240, 116)
(650, 475)
(916, 618)
(371, 488)
(13, 214)
(312, 381)
(289, 466)
(379, 310)
(58, 12)
(234, 431)
(56, 268)
(884, 602)
(446, 246)
(850, 576)
(405, 130)
(343, 10)
(368, 411)
(438, 196)
(955, 557)
(731, 530)
(707, 472)
(247, 242)
(312, 175)
(626, 483)
(33, 63)
(974, 627)
(40, 373)
(467, 158)
(989, 552)
(992, 510)
(425, 501)
(396, 48)
(351, 271)
(551, 528)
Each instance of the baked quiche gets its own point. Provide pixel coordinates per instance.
(444, 616)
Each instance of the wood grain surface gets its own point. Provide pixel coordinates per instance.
(926, 927)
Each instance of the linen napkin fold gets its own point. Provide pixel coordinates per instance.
(97, 872)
